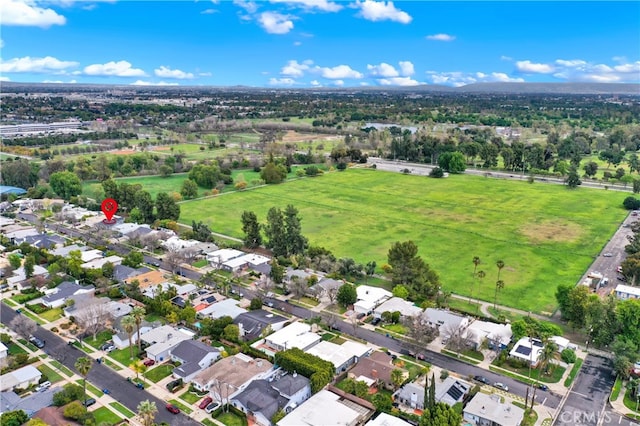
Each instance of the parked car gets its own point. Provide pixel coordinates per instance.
(38, 342)
(608, 254)
(212, 407)
(89, 402)
(173, 409)
(501, 386)
(375, 321)
(149, 362)
(43, 386)
(108, 347)
(481, 379)
(205, 402)
(543, 387)
(174, 385)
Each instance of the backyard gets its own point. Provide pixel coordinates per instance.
(549, 236)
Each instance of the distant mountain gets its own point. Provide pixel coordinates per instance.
(558, 88)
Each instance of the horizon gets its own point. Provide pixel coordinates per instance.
(296, 44)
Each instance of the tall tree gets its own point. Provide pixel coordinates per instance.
(138, 314)
(189, 189)
(144, 203)
(65, 184)
(251, 229)
(167, 207)
(276, 232)
(128, 323)
(147, 411)
(83, 365)
(476, 261)
(499, 283)
(295, 241)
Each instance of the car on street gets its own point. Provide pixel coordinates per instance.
(543, 387)
(149, 362)
(607, 254)
(481, 379)
(205, 402)
(38, 342)
(173, 409)
(212, 407)
(501, 386)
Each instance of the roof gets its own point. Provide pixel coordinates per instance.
(398, 304)
(66, 289)
(11, 190)
(289, 384)
(122, 272)
(255, 259)
(377, 366)
(385, 419)
(295, 335)
(338, 355)
(89, 255)
(260, 397)
(192, 351)
(264, 268)
(372, 294)
(227, 307)
(254, 321)
(527, 349)
(562, 342)
(302, 274)
(491, 408)
(408, 390)
(148, 279)
(627, 289)
(44, 240)
(233, 370)
(443, 318)
(479, 330)
(323, 408)
(64, 251)
(161, 334)
(10, 401)
(19, 376)
(451, 391)
(224, 255)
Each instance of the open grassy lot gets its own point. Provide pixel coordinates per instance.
(545, 234)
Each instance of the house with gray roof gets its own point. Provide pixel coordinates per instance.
(446, 322)
(225, 308)
(58, 296)
(450, 392)
(194, 356)
(252, 323)
(121, 339)
(11, 401)
(43, 241)
(122, 272)
(490, 410)
(261, 399)
(66, 250)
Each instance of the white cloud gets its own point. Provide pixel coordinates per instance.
(364, 83)
(166, 72)
(531, 67)
(4, 78)
(205, 74)
(399, 81)
(506, 58)
(580, 70)
(441, 37)
(27, 13)
(297, 43)
(339, 82)
(150, 83)
(275, 23)
(249, 6)
(295, 69)
(381, 11)
(322, 5)
(118, 69)
(458, 79)
(338, 72)
(282, 81)
(316, 83)
(571, 63)
(209, 11)
(383, 70)
(406, 68)
(40, 65)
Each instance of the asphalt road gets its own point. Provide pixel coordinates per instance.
(586, 404)
(100, 375)
(547, 398)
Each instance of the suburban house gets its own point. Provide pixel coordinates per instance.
(446, 322)
(83, 302)
(291, 274)
(66, 250)
(101, 261)
(341, 356)
(411, 395)
(194, 356)
(217, 258)
(385, 419)
(527, 349)
(4, 353)
(370, 297)
(497, 335)
(21, 378)
(121, 339)
(489, 410)
(148, 279)
(244, 261)
(43, 241)
(261, 399)
(325, 286)
(19, 278)
(450, 391)
(374, 369)
(397, 304)
(625, 292)
(11, 401)
(91, 254)
(59, 295)
(162, 340)
(252, 323)
(330, 407)
(230, 376)
(225, 308)
(295, 335)
(562, 343)
(122, 272)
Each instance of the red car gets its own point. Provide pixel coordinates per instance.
(173, 409)
(208, 400)
(149, 362)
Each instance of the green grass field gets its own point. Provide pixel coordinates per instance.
(105, 416)
(545, 234)
(160, 372)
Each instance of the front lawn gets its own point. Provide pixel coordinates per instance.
(616, 389)
(101, 338)
(94, 390)
(105, 416)
(52, 315)
(231, 419)
(160, 372)
(191, 397)
(201, 263)
(181, 406)
(123, 356)
(631, 403)
(62, 368)
(574, 372)
(15, 349)
(52, 376)
(395, 328)
(122, 409)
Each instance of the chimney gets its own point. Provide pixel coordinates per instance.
(374, 373)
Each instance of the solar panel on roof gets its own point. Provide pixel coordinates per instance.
(454, 392)
(523, 350)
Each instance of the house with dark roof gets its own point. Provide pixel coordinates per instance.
(261, 399)
(375, 369)
(450, 391)
(252, 323)
(57, 296)
(194, 356)
(11, 401)
(122, 272)
(43, 241)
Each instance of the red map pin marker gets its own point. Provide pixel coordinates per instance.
(109, 207)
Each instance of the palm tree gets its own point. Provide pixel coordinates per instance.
(139, 368)
(499, 286)
(480, 275)
(129, 325)
(83, 365)
(500, 265)
(547, 354)
(138, 314)
(147, 411)
(476, 261)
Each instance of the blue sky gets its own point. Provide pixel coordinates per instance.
(318, 43)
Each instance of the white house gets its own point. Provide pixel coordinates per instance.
(231, 375)
(406, 308)
(89, 255)
(625, 292)
(325, 408)
(19, 278)
(369, 297)
(490, 410)
(562, 343)
(194, 356)
(527, 349)
(341, 356)
(101, 261)
(295, 335)
(21, 378)
(162, 340)
(446, 322)
(58, 296)
(228, 307)
(385, 419)
(219, 257)
(498, 335)
(121, 340)
(4, 352)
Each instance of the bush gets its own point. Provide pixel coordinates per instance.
(436, 172)
(54, 329)
(70, 392)
(631, 203)
(568, 356)
(444, 374)
(75, 410)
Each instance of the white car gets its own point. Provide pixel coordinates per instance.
(212, 407)
(501, 386)
(43, 386)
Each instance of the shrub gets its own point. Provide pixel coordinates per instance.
(75, 410)
(436, 172)
(54, 329)
(568, 356)
(444, 374)
(70, 392)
